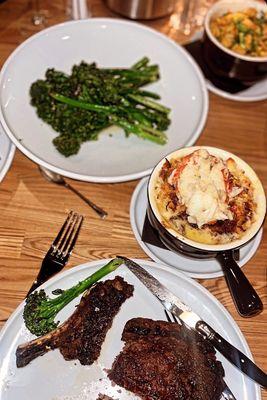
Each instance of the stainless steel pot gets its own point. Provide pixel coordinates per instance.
(142, 9)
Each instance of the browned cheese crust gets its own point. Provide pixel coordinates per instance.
(164, 361)
(240, 202)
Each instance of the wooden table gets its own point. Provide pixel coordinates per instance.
(32, 210)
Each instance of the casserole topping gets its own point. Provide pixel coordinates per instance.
(205, 198)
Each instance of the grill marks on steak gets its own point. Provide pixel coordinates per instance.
(165, 361)
(82, 334)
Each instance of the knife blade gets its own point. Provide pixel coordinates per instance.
(173, 304)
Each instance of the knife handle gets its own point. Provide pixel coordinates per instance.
(232, 354)
(245, 297)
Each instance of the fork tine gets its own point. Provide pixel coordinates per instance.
(60, 250)
(60, 233)
(167, 316)
(66, 252)
(173, 319)
(66, 234)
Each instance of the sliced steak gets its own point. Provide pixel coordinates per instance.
(82, 334)
(165, 361)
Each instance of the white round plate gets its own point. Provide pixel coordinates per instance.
(7, 151)
(257, 92)
(111, 43)
(52, 378)
(200, 269)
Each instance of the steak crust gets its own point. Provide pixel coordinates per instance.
(165, 361)
(81, 336)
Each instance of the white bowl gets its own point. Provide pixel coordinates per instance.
(111, 43)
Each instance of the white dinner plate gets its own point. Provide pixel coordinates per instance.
(50, 377)
(111, 43)
(256, 92)
(7, 151)
(199, 269)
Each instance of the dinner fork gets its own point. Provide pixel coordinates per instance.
(60, 250)
(227, 394)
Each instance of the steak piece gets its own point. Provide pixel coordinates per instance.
(82, 334)
(165, 361)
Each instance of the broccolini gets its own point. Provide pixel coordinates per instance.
(80, 105)
(40, 310)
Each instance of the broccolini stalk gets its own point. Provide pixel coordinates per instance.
(149, 103)
(140, 129)
(40, 311)
(141, 63)
(82, 104)
(147, 93)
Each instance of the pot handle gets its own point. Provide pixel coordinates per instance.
(244, 295)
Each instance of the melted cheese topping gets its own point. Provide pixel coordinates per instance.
(201, 188)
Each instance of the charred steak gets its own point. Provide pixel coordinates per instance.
(165, 361)
(82, 334)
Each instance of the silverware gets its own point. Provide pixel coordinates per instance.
(227, 393)
(60, 250)
(58, 179)
(173, 304)
(142, 9)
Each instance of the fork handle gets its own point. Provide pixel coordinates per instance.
(46, 272)
(38, 282)
(33, 287)
(97, 209)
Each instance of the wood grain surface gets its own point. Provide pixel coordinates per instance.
(32, 210)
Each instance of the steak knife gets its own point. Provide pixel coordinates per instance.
(174, 305)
